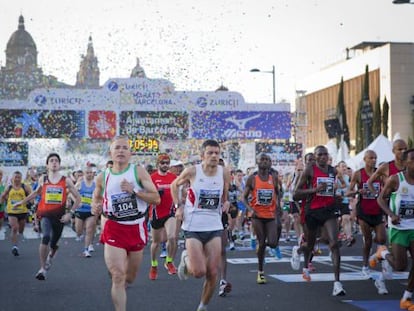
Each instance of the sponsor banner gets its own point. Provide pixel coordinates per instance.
(101, 124)
(162, 125)
(14, 154)
(42, 124)
(281, 154)
(240, 124)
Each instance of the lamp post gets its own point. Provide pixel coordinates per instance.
(274, 79)
(367, 115)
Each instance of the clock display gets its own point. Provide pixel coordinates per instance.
(145, 146)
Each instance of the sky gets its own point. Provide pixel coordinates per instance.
(200, 45)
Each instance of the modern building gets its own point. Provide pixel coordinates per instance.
(391, 77)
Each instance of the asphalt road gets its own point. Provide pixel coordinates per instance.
(77, 283)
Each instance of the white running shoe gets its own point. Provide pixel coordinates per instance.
(41, 275)
(386, 269)
(86, 254)
(91, 248)
(380, 285)
(295, 259)
(366, 273)
(182, 267)
(338, 290)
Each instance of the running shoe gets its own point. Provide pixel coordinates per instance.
(373, 260)
(278, 253)
(311, 267)
(380, 285)
(295, 259)
(182, 267)
(224, 288)
(91, 248)
(49, 262)
(153, 273)
(405, 304)
(386, 269)
(231, 246)
(41, 275)
(86, 254)
(15, 251)
(163, 253)
(170, 268)
(306, 274)
(261, 279)
(338, 290)
(366, 273)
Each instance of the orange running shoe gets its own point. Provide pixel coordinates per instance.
(170, 268)
(373, 260)
(405, 304)
(153, 273)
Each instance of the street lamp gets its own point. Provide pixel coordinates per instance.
(274, 79)
(402, 2)
(367, 115)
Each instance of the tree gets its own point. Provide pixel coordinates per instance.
(385, 111)
(359, 131)
(376, 126)
(341, 115)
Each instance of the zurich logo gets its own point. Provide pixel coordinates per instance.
(40, 100)
(112, 86)
(201, 102)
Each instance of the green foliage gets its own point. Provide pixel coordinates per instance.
(376, 125)
(385, 112)
(341, 115)
(410, 143)
(359, 131)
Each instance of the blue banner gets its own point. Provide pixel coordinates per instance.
(240, 125)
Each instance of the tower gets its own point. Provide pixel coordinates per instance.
(88, 74)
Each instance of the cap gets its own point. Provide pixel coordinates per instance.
(176, 163)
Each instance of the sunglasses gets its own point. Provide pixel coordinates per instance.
(165, 163)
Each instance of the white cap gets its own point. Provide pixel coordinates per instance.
(176, 163)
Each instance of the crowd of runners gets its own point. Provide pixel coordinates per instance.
(211, 206)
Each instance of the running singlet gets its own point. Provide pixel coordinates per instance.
(2, 188)
(392, 168)
(402, 204)
(202, 209)
(86, 197)
(16, 195)
(53, 201)
(264, 198)
(163, 185)
(122, 206)
(325, 197)
(369, 205)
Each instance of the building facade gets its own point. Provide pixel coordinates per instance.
(391, 77)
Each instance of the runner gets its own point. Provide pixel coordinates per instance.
(122, 194)
(401, 225)
(2, 205)
(84, 220)
(17, 215)
(207, 199)
(369, 214)
(261, 198)
(53, 188)
(163, 222)
(317, 185)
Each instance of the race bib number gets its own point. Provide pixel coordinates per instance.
(366, 194)
(86, 199)
(54, 195)
(329, 191)
(209, 199)
(406, 209)
(124, 205)
(264, 196)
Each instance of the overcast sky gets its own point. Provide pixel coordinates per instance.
(199, 45)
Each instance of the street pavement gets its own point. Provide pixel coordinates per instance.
(77, 283)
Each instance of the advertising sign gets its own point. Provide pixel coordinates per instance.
(14, 154)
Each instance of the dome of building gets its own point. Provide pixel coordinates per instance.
(21, 41)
